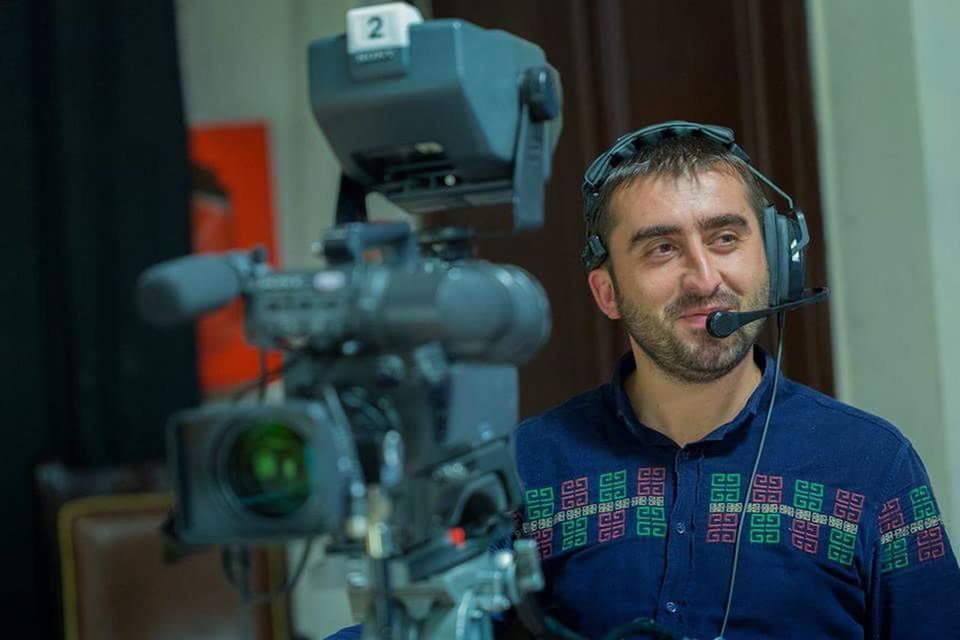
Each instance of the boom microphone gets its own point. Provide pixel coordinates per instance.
(721, 324)
(177, 291)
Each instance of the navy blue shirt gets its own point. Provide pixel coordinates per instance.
(843, 537)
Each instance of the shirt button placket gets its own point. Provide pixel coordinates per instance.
(679, 542)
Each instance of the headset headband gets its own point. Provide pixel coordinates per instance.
(628, 145)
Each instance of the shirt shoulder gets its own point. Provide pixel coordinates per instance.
(553, 437)
(843, 420)
(567, 417)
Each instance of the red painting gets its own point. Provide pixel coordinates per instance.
(231, 208)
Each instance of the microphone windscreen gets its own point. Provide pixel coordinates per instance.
(178, 291)
(721, 324)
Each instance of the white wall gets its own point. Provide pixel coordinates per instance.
(936, 25)
(244, 60)
(887, 103)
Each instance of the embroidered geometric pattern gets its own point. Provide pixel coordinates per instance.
(805, 535)
(765, 499)
(651, 521)
(910, 529)
(574, 493)
(650, 481)
(847, 509)
(611, 525)
(722, 527)
(539, 503)
(724, 487)
(725, 507)
(848, 505)
(808, 503)
(922, 503)
(893, 555)
(930, 544)
(767, 489)
(808, 496)
(896, 533)
(891, 517)
(807, 513)
(574, 533)
(840, 548)
(765, 528)
(530, 524)
(544, 540)
(613, 486)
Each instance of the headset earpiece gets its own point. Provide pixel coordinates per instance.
(774, 233)
(796, 241)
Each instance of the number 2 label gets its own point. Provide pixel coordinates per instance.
(375, 23)
(383, 26)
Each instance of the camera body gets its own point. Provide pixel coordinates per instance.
(400, 373)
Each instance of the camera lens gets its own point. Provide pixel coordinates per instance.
(267, 469)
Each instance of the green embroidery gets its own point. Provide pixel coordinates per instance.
(724, 487)
(765, 528)
(651, 521)
(841, 546)
(574, 533)
(539, 503)
(808, 495)
(613, 486)
(893, 555)
(922, 502)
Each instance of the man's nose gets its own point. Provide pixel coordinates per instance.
(701, 275)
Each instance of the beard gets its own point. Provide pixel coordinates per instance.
(702, 358)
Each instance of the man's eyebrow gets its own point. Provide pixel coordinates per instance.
(656, 231)
(708, 224)
(723, 220)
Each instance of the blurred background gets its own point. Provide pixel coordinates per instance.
(134, 132)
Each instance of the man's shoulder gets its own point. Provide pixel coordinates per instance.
(846, 419)
(570, 414)
(578, 424)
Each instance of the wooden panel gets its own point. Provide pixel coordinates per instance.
(629, 63)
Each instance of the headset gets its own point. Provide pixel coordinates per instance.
(784, 237)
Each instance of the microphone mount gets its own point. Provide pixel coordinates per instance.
(721, 324)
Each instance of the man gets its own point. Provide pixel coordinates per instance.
(636, 491)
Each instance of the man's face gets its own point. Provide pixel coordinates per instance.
(681, 248)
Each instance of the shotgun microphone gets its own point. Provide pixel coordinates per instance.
(721, 324)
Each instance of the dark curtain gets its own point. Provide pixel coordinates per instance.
(94, 189)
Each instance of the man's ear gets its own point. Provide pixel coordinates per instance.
(601, 286)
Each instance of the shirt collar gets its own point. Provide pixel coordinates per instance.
(647, 436)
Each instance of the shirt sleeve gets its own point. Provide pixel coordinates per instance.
(916, 584)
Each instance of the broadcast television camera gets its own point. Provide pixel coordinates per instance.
(400, 372)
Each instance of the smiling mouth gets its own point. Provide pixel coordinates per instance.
(697, 320)
(702, 314)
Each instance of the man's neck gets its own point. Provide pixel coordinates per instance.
(687, 412)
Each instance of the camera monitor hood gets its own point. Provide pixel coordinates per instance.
(455, 116)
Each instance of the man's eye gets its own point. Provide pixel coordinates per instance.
(662, 249)
(727, 238)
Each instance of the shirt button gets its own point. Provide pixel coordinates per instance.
(671, 607)
(680, 528)
(685, 454)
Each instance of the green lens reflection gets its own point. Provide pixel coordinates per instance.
(267, 468)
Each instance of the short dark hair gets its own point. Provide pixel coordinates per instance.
(675, 157)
